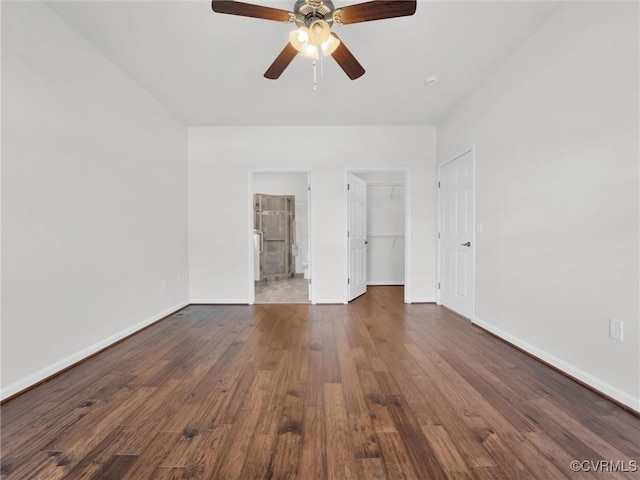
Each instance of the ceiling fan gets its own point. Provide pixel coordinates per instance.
(314, 19)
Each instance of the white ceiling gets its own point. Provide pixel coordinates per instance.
(208, 67)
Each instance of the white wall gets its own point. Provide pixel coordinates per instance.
(556, 135)
(94, 202)
(219, 161)
(289, 184)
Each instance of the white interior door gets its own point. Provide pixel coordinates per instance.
(357, 212)
(456, 197)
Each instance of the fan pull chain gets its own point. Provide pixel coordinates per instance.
(315, 76)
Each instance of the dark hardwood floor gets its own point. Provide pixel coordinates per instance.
(373, 390)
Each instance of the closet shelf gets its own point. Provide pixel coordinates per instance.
(393, 187)
(385, 184)
(395, 238)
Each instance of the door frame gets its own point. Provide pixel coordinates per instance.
(472, 151)
(251, 271)
(407, 224)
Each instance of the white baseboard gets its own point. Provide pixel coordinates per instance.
(423, 300)
(393, 284)
(219, 301)
(60, 365)
(571, 370)
(330, 301)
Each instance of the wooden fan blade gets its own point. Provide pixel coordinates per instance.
(374, 10)
(249, 10)
(347, 61)
(281, 62)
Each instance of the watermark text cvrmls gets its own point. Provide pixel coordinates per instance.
(619, 466)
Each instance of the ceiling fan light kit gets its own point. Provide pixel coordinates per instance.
(306, 42)
(314, 19)
(319, 32)
(330, 45)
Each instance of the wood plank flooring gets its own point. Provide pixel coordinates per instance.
(372, 390)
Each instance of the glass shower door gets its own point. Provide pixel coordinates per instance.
(274, 219)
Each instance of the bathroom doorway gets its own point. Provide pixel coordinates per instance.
(274, 223)
(281, 240)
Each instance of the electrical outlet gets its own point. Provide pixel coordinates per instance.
(616, 329)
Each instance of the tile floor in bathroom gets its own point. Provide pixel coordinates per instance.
(290, 290)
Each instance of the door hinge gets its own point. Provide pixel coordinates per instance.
(347, 186)
(309, 187)
(438, 285)
(348, 281)
(438, 234)
(438, 184)
(347, 233)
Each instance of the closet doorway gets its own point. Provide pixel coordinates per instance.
(386, 226)
(281, 239)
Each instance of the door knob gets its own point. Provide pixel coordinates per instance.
(366, 242)
(468, 244)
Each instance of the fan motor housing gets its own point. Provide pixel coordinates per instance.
(308, 11)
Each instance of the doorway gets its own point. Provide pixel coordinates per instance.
(274, 224)
(384, 202)
(281, 239)
(457, 242)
